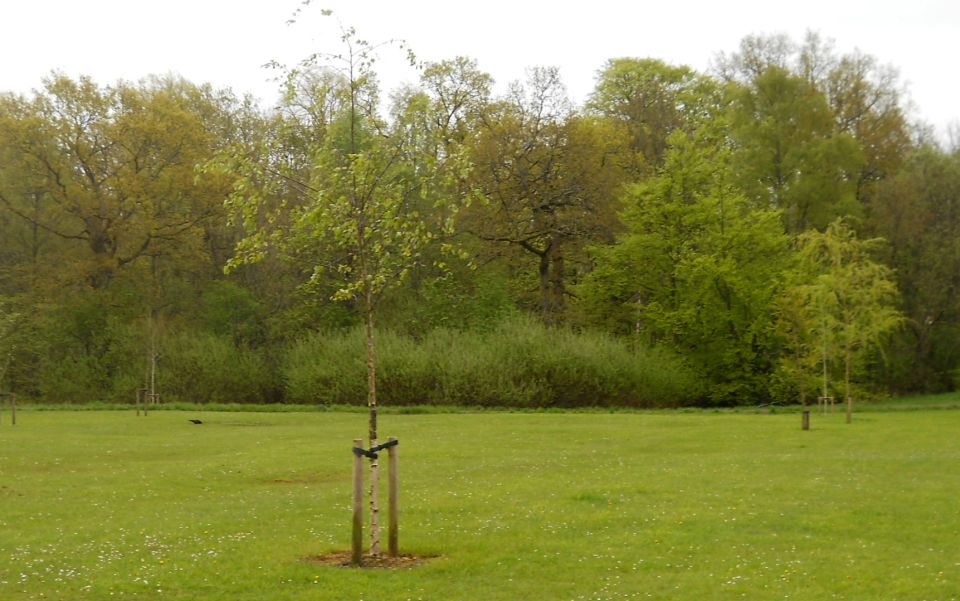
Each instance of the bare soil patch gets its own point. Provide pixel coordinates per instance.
(341, 559)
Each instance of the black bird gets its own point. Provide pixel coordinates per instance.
(196, 421)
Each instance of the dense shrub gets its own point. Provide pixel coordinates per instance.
(78, 356)
(520, 363)
(206, 368)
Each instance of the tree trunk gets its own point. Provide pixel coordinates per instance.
(846, 376)
(826, 392)
(544, 272)
(372, 404)
(557, 289)
(803, 391)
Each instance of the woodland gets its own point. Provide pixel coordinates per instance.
(737, 236)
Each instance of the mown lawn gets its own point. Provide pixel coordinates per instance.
(107, 505)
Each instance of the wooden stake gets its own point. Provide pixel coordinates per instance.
(394, 507)
(357, 556)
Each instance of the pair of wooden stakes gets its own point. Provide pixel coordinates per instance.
(146, 398)
(393, 509)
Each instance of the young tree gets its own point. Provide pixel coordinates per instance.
(853, 296)
(366, 207)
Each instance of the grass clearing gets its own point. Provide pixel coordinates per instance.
(106, 505)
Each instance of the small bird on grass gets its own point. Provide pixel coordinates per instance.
(195, 421)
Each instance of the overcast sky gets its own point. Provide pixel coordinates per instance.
(225, 42)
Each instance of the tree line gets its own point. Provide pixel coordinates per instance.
(775, 229)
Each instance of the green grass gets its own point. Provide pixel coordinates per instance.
(106, 505)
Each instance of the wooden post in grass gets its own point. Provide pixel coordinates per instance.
(806, 419)
(142, 400)
(357, 555)
(394, 508)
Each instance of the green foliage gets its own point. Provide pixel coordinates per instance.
(918, 214)
(455, 210)
(551, 184)
(651, 100)
(460, 299)
(231, 311)
(787, 152)
(83, 353)
(518, 364)
(697, 269)
(110, 170)
(850, 299)
(9, 322)
(206, 368)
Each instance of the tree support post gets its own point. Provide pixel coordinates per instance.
(393, 544)
(356, 557)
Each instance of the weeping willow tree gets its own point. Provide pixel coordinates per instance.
(851, 299)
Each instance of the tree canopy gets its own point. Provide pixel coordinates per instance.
(679, 212)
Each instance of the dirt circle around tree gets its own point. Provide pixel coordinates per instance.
(342, 559)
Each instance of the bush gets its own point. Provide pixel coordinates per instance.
(81, 356)
(518, 364)
(206, 368)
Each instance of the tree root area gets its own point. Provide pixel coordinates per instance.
(342, 559)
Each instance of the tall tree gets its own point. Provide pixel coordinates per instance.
(865, 99)
(697, 269)
(100, 183)
(650, 100)
(788, 153)
(918, 213)
(550, 182)
(863, 104)
(459, 94)
(114, 168)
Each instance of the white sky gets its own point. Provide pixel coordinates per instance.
(225, 42)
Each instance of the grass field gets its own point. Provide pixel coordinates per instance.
(107, 505)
